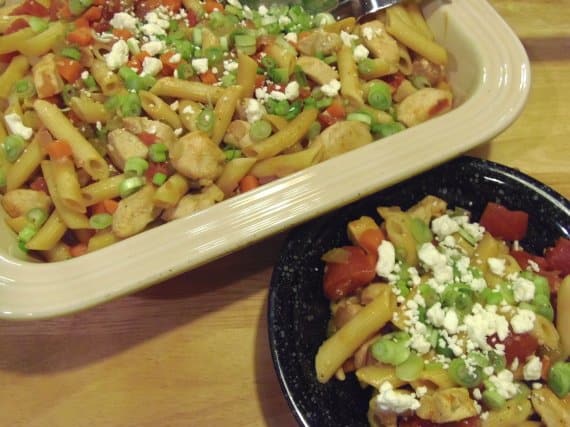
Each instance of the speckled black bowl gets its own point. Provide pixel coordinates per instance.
(298, 312)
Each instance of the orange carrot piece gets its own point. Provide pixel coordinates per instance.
(212, 5)
(336, 109)
(94, 13)
(247, 183)
(82, 36)
(58, 149)
(110, 205)
(208, 77)
(69, 69)
(122, 33)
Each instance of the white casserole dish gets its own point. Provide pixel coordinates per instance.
(490, 75)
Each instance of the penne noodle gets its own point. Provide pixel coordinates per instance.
(157, 109)
(224, 111)
(286, 164)
(49, 235)
(104, 189)
(84, 154)
(67, 184)
(247, 69)
(170, 193)
(233, 172)
(195, 91)
(349, 82)
(15, 71)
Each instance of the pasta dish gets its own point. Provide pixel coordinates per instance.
(450, 321)
(122, 115)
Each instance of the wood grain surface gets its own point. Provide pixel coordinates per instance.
(193, 351)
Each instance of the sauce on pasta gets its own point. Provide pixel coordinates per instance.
(121, 115)
(450, 321)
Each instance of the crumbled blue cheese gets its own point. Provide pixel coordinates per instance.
(483, 322)
(118, 56)
(14, 123)
(497, 265)
(396, 401)
(386, 259)
(291, 37)
(368, 33)
(348, 38)
(292, 90)
(443, 226)
(523, 289)
(151, 66)
(504, 384)
(200, 65)
(523, 321)
(154, 47)
(532, 370)
(254, 111)
(331, 88)
(124, 21)
(360, 53)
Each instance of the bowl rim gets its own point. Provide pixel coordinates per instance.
(34, 291)
(542, 190)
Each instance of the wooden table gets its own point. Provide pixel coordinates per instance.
(193, 351)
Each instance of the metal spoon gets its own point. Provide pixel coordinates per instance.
(360, 8)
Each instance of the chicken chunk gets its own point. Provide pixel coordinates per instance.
(237, 134)
(194, 202)
(423, 105)
(135, 212)
(379, 42)
(196, 157)
(122, 145)
(434, 73)
(447, 405)
(46, 77)
(342, 137)
(18, 202)
(163, 132)
(317, 70)
(319, 41)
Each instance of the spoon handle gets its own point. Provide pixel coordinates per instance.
(360, 8)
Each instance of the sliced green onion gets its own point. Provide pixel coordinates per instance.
(206, 119)
(158, 152)
(197, 36)
(331, 59)
(27, 233)
(2, 177)
(493, 400)
(324, 18)
(391, 348)
(386, 129)
(478, 359)
(491, 297)
(90, 83)
(37, 216)
(464, 375)
(71, 52)
(324, 103)
(136, 166)
(228, 80)
(282, 107)
(429, 294)
(24, 89)
(215, 55)
(380, 96)
(559, 378)
(131, 185)
(469, 238)
(159, 178)
(100, 221)
(147, 81)
(442, 348)
(259, 130)
(232, 153)
(130, 105)
(541, 286)
(279, 75)
(184, 71)
(507, 293)
(38, 24)
(14, 147)
(131, 79)
(245, 43)
(294, 109)
(420, 231)
(360, 117)
(420, 82)
(411, 368)
(184, 48)
(496, 360)
(268, 62)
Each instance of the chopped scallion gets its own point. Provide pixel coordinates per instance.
(259, 130)
(37, 216)
(13, 147)
(159, 178)
(136, 166)
(206, 119)
(158, 152)
(131, 185)
(100, 221)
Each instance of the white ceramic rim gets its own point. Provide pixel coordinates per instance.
(33, 290)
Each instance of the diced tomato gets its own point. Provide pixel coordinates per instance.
(517, 346)
(59, 9)
(395, 80)
(554, 279)
(304, 92)
(523, 258)
(39, 184)
(326, 120)
(17, 25)
(341, 279)
(78, 249)
(145, 6)
(370, 239)
(441, 106)
(259, 80)
(208, 77)
(414, 421)
(212, 5)
(167, 66)
(558, 257)
(192, 18)
(147, 138)
(31, 7)
(154, 168)
(82, 36)
(503, 223)
(93, 14)
(6, 58)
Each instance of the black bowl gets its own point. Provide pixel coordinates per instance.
(298, 311)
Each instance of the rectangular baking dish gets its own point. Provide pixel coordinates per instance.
(490, 76)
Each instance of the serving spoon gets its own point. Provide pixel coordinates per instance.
(360, 8)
